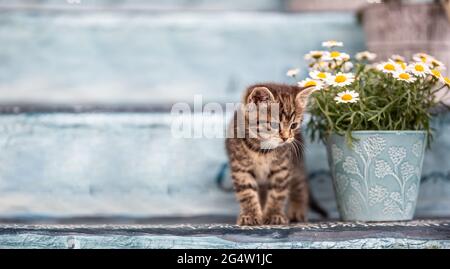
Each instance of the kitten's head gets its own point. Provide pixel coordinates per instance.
(274, 113)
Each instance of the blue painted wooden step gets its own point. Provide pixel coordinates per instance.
(414, 234)
(129, 165)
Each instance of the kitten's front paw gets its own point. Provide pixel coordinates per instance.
(249, 220)
(296, 215)
(276, 219)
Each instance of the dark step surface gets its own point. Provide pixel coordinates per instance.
(430, 233)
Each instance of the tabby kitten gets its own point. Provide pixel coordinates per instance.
(266, 159)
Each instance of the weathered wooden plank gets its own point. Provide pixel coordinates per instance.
(406, 29)
(413, 234)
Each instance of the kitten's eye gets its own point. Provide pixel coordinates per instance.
(294, 125)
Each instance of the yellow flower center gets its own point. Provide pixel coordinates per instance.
(389, 67)
(419, 68)
(404, 76)
(322, 75)
(436, 73)
(447, 80)
(317, 55)
(310, 83)
(423, 58)
(335, 54)
(340, 78)
(435, 63)
(347, 97)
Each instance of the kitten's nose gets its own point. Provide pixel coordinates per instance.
(284, 138)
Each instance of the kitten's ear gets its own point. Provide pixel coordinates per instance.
(260, 95)
(302, 97)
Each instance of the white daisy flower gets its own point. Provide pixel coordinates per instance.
(347, 97)
(345, 57)
(365, 56)
(419, 69)
(347, 66)
(318, 85)
(293, 72)
(446, 81)
(341, 79)
(436, 73)
(422, 57)
(404, 76)
(402, 66)
(336, 55)
(314, 55)
(436, 64)
(332, 43)
(388, 67)
(318, 75)
(322, 66)
(398, 58)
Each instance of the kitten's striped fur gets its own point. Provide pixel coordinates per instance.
(268, 180)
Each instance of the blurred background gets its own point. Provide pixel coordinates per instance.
(136, 51)
(86, 88)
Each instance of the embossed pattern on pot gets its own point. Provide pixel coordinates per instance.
(377, 178)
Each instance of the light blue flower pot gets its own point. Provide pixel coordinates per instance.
(378, 178)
